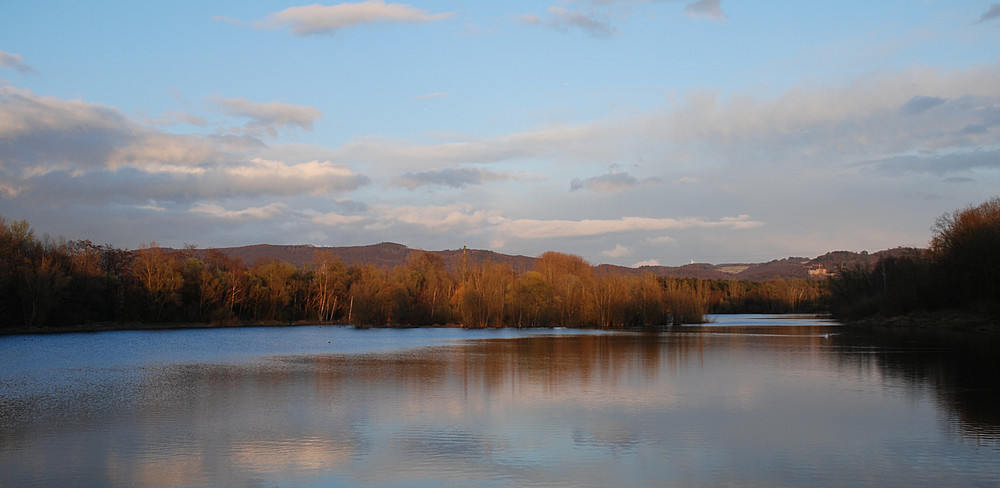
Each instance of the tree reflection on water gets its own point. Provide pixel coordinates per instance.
(791, 404)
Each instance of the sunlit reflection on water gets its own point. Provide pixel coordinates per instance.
(746, 400)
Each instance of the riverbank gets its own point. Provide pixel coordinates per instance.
(110, 326)
(113, 326)
(950, 320)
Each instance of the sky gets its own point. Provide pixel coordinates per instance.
(629, 132)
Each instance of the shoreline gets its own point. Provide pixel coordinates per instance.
(949, 320)
(943, 321)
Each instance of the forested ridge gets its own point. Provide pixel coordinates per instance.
(49, 284)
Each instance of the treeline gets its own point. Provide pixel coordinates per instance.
(959, 272)
(44, 283)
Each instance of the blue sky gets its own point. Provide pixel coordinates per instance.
(625, 131)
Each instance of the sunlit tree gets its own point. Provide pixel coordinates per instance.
(160, 276)
(328, 286)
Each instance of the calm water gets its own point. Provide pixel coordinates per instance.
(745, 401)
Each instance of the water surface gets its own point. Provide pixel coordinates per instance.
(743, 401)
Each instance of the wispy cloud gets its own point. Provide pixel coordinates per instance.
(919, 104)
(614, 181)
(463, 218)
(597, 18)
(15, 62)
(686, 180)
(315, 19)
(595, 23)
(709, 9)
(936, 164)
(438, 218)
(542, 229)
(459, 177)
(269, 118)
(430, 96)
(589, 141)
(336, 220)
(594, 20)
(660, 240)
(266, 212)
(992, 13)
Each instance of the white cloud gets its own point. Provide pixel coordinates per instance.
(267, 212)
(57, 149)
(439, 217)
(660, 240)
(10, 191)
(648, 262)
(44, 134)
(15, 62)
(334, 219)
(541, 229)
(880, 116)
(326, 19)
(883, 115)
(277, 177)
(619, 251)
(591, 142)
(171, 153)
(462, 219)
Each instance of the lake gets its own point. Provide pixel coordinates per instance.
(746, 400)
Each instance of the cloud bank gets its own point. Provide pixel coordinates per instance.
(735, 154)
(68, 150)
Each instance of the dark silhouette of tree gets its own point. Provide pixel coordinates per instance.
(966, 244)
(960, 272)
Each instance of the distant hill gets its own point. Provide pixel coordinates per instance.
(390, 255)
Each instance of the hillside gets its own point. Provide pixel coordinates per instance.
(389, 255)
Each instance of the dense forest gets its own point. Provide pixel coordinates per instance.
(960, 272)
(49, 284)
